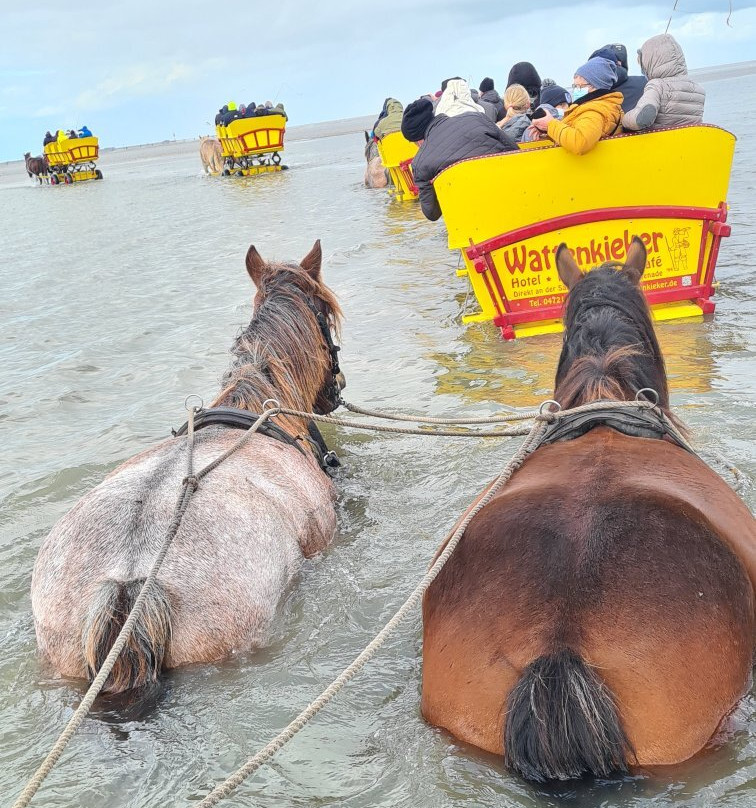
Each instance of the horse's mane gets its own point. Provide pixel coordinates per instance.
(280, 354)
(610, 349)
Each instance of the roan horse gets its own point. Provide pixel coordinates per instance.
(376, 175)
(598, 613)
(36, 166)
(211, 155)
(247, 528)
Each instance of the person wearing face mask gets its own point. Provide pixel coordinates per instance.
(671, 97)
(596, 110)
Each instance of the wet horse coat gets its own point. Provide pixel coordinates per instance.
(599, 611)
(247, 528)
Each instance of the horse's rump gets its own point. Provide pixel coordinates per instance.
(630, 582)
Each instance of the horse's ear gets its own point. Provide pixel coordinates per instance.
(569, 271)
(255, 265)
(311, 262)
(636, 260)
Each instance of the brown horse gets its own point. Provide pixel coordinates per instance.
(36, 166)
(247, 528)
(598, 613)
(376, 175)
(211, 155)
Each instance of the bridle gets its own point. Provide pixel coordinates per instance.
(332, 389)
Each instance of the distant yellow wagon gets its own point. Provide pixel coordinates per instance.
(252, 145)
(396, 155)
(73, 160)
(508, 213)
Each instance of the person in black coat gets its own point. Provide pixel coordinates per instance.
(525, 74)
(631, 87)
(489, 95)
(219, 117)
(453, 137)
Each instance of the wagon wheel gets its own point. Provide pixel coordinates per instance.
(54, 179)
(225, 173)
(239, 173)
(68, 179)
(275, 158)
(98, 174)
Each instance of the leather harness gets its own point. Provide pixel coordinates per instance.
(645, 423)
(244, 419)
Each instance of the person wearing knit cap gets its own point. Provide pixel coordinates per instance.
(524, 73)
(488, 95)
(555, 96)
(416, 119)
(596, 110)
(631, 87)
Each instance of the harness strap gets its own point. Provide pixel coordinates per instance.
(640, 423)
(244, 419)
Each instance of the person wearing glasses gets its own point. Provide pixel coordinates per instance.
(595, 112)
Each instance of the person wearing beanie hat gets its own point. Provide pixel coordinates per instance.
(416, 119)
(671, 97)
(596, 110)
(489, 96)
(555, 96)
(631, 87)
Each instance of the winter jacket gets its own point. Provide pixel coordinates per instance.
(516, 125)
(448, 140)
(494, 99)
(670, 98)
(594, 116)
(631, 88)
(391, 121)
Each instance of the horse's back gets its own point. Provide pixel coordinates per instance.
(608, 547)
(240, 542)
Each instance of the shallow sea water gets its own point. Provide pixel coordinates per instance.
(123, 296)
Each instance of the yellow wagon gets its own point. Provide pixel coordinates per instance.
(252, 145)
(508, 214)
(73, 160)
(396, 155)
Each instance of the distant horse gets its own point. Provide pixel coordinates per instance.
(376, 175)
(247, 528)
(36, 166)
(598, 613)
(211, 155)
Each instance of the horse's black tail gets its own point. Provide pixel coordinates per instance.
(562, 723)
(141, 659)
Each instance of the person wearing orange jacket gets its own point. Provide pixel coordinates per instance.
(596, 110)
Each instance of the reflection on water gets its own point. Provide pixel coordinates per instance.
(130, 302)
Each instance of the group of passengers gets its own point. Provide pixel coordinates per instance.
(459, 122)
(230, 112)
(65, 134)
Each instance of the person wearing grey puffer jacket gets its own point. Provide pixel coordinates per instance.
(670, 98)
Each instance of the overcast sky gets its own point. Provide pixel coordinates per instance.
(138, 71)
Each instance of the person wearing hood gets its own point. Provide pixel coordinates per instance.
(219, 117)
(671, 97)
(49, 138)
(489, 95)
(631, 87)
(459, 130)
(84, 131)
(390, 119)
(278, 109)
(524, 73)
(517, 106)
(596, 110)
